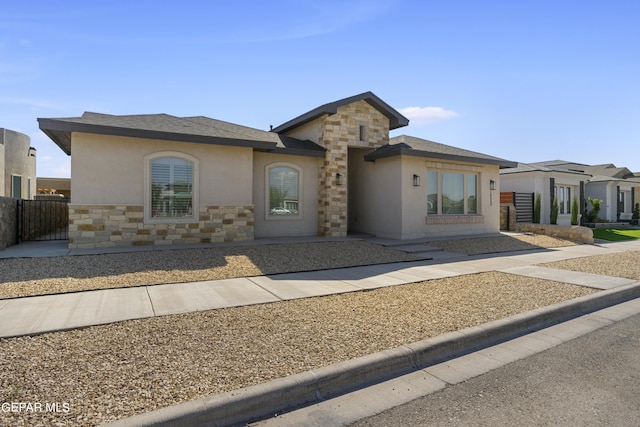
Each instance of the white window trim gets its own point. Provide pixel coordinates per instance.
(267, 201)
(147, 188)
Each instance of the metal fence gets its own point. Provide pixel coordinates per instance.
(42, 220)
(524, 206)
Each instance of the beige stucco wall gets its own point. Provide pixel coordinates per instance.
(107, 190)
(383, 200)
(375, 199)
(110, 170)
(304, 225)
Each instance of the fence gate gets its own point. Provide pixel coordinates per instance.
(42, 220)
(524, 206)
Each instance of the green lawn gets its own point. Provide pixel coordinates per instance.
(613, 234)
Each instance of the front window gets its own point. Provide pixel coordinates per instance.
(563, 194)
(171, 187)
(284, 191)
(450, 193)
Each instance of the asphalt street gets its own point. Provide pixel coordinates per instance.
(593, 380)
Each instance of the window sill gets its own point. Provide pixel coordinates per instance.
(454, 219)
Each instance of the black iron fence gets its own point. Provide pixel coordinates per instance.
(42, 220)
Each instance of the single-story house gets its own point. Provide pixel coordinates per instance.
(17, 165)
(159, 179)
(616, 187)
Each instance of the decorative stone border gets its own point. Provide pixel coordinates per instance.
(570, 232)
(98, 226)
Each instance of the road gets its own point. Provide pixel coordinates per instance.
(593, 380)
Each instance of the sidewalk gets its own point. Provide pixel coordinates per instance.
(40, 314)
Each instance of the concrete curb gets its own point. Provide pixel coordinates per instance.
(282, 394)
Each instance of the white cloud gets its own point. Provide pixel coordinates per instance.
(426, 115)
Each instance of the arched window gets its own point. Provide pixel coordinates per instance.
(284, 192)
(171, 187)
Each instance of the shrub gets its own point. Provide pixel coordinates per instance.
(636, 211)
(536, 209)
(574, 212)
(554, 211)
(592, 215)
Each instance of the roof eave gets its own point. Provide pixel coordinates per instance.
(48, 126)
(396, 120)
(372, 157)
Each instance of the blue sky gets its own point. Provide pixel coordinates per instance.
(523, 80)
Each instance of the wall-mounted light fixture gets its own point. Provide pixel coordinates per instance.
(338, 179)
(492, 185)
(416, 180)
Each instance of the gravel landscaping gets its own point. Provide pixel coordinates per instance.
(485, 245)
(114, 371)
(624, 264)
(108, 372)
(40, 276)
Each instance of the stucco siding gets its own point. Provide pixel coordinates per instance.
(110, 170)
(306, 224)
(375, 198)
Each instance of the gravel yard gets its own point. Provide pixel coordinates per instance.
(485, 245)
(625, 264)
(40, 276)
(114, 371)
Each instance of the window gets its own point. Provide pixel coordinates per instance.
(16, 186)
(362, 133)
(283, 196)
(452, 193)
(563, 194)
(472, 194)
(456, 192)
(432, 192)
(171, 187)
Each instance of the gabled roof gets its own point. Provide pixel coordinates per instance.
(396, 120)
(412, 146)
(199, 129)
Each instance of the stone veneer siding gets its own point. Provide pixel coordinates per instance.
(339, 132)
(8, 223)
(93, 226)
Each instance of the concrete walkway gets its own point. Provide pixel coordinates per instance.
(40, 314)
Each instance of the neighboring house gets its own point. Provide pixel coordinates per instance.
(17, 165)
(50, 187)
(616, 187)
(159, 179)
